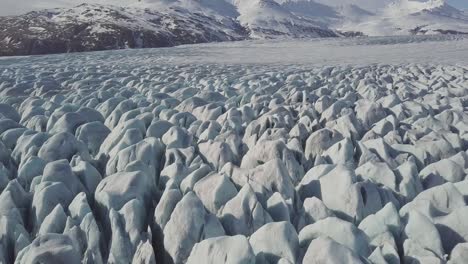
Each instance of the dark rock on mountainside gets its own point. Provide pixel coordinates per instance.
(94, 27)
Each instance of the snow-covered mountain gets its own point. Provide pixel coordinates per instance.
(327, 16)
(267, 18)
(160, 23)
(412, 17)
(98, 27)
(401, 17)
(164, 23)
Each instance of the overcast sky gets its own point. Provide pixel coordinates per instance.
(12, 7)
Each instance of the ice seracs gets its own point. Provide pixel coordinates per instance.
(189, 224)
(226, 249)
(129, 160)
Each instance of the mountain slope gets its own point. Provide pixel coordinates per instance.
(98, 27)
(266, 19)
(89, 27)
(413, 17)
(403, 17)
(163, 23)
(326, 16)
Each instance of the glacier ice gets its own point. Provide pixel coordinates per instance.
(118, 160)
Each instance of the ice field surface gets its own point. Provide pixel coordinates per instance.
(337, 51)
(310, 151)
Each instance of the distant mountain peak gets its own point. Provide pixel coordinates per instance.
(414, 6)
(160, 23)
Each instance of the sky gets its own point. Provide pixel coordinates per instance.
(13, 7)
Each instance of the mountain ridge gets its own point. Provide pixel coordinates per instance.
(164, 23)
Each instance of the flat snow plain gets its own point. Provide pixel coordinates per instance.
(314, 151)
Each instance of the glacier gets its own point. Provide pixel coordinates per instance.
(279, 151)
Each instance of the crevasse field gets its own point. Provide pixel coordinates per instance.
(320, 151)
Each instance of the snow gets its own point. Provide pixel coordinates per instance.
(404, 16)
(171, 22)
(338, 150)
(7, 40)
(357, 51)
(37, 29)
